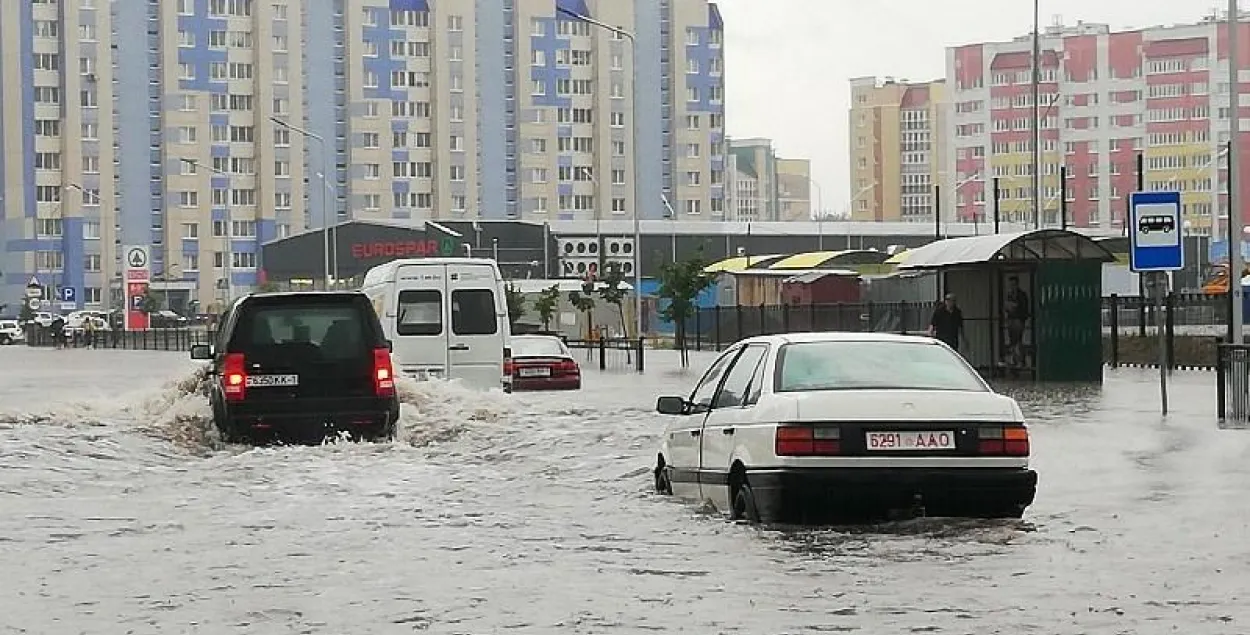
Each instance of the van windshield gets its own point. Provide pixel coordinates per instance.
(420, 312)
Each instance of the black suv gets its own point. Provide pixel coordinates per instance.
(301, 366)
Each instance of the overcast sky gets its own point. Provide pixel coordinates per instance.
(788, 62)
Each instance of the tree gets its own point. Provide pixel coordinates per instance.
(612, 292)
(546, 305)
(26, 313)
(681, 283)
(516, 304)
(151, 304)
(584, 301)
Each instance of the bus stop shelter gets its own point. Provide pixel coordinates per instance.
(1061, 274)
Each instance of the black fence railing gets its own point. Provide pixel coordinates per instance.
(1232, 382)
(148, 340)
(604, 352)
(715, 328)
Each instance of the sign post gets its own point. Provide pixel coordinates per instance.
(1156, 248)
(138, 276)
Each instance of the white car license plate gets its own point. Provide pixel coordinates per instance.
(912, 440)
(266, 381)
(535, 372)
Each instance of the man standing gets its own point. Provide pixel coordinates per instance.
(947, 323)
(1018, 312)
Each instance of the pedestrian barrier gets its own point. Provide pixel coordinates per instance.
(1232, 382)
(174, 339)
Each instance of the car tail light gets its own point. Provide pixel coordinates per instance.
(807, 441)
(234, 377)
(509, 367)
(1004, 440)
(567, 367)
(383, 373)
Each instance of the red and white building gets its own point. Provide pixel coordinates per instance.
(1105, 96)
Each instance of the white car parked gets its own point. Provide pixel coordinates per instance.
(806, 427)
(11, 332)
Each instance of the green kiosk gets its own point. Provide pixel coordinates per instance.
(1031, 301)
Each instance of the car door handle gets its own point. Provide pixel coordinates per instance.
(695, 433)
(727, 431)
(458, 347)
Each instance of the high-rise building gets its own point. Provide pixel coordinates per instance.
(896, 135)
(764, 186)
(1104, 97)
(203, 128)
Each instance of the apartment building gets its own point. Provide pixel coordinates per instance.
(1105, 97)
(767, 187)
(896, 137)
(203, 128)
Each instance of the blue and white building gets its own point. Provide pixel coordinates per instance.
(151, 122)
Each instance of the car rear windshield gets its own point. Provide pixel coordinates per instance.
(864, 365)
(334, 331)
(537, 347)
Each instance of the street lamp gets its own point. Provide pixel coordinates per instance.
(227, 266)
(325, 186)
(633, 48)
(820, 213)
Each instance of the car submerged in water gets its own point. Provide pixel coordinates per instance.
(845, 427)
(301, 367)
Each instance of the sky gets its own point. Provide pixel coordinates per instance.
(788, 62)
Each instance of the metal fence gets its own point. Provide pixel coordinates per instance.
(1232, 382)
(147, 340)
(715, 328)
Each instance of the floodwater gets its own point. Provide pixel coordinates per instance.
(120, 512)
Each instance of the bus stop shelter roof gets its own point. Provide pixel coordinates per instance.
(1029, 246)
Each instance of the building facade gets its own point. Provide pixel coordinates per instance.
(1105, 97)
(204, 128)
(766, 187)
(896, 148)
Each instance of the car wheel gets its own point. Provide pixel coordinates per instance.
(662, 483)
(5, 340)
(744, 505)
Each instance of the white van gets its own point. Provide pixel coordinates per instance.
(445, 317)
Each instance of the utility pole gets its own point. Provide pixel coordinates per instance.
(1037, 115)
(1235, 264)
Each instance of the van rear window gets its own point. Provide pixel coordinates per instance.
(420, 312)
(473, 312)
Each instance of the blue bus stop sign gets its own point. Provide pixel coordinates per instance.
(1156, 240)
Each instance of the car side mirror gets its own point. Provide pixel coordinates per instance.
(671, 406)
(201, 352)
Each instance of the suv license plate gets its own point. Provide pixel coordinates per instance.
(265, 381)
(913, 440)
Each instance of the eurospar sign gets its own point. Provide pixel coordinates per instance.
(390, 249)
(137, 260)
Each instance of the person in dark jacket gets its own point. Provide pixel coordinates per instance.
(947, 323)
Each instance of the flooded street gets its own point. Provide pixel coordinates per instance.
(533, 513)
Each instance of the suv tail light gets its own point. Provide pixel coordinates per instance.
(509, 367)
(1010, 440)
(234, 377)
(790, 440)
(383, 373)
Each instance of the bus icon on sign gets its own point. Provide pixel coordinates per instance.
(1156, 223)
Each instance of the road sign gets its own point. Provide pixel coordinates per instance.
(137, 258)
(67, 294)
(34, 304)
(34, 282)
(1156, 240)
(68, 306)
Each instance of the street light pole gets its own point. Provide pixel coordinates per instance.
(226, 257)
(633, 48)
(325, 214)
(820, 214)
(1235, 264)
(1037, 114)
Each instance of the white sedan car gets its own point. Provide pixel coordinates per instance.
(805, 427)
